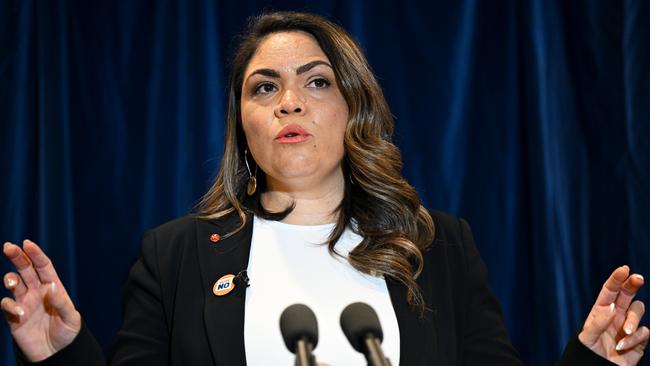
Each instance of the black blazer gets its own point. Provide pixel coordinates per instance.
(171, 316)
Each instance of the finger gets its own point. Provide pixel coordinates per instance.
(22, 263)
(60, 301)
(11, 309)
(612, 286)
(629, 289)
(640, 337)
(41, 262)
(14, 284)
(633, 317)
(597, 322)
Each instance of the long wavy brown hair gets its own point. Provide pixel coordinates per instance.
(378, 203)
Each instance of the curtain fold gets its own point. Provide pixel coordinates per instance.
(531, 119)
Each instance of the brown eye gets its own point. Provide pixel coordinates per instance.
(320, 83)
(264, 88)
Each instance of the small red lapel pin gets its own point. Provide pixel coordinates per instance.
(215, 238)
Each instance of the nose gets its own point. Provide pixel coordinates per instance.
(290, 103)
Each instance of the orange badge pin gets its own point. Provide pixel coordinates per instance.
(224, 285)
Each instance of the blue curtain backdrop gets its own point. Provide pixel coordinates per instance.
(531, 119)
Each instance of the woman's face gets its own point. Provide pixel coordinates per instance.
(293, 113)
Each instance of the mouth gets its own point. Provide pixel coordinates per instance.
(292, 134)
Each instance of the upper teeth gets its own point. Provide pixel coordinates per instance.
(291, 134)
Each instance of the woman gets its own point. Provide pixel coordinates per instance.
(308, 159)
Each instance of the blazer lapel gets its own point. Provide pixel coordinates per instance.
(224, 315)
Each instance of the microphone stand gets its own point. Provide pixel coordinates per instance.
(375, 356)
(304, 356)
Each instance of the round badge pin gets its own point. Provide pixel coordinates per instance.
(224, 285)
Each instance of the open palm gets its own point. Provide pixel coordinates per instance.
(612, 327)
(41, 315)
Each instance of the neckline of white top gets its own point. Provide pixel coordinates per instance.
(285, 225)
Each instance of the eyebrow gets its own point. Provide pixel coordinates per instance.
(300, 70)
(306, 67)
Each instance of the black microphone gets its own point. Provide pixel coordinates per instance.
(300, 332)
(362, 329)
(241, 280)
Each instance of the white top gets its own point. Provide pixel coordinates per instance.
(288, 264)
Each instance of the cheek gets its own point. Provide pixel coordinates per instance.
(254, 126)
(339, 127)
(251, 131)
(256, 147)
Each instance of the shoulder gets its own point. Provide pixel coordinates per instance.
(176, 234)
(189, 224)
(178, 225)
(450, 229)
(452, 250)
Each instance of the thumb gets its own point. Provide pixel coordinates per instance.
(598, 320)
(60, 301)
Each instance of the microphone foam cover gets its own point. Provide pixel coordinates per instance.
(298, 321)
(357, 321)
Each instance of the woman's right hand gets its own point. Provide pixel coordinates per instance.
(41, 315)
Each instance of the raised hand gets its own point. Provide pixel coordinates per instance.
(612, 327)
(41, 315)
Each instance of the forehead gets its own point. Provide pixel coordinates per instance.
(286, 51)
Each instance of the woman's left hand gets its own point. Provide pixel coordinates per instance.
(612, 328)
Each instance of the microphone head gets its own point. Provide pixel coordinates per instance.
(298, 322)
(357, 321)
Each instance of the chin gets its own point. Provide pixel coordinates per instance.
(295, 174)
(300, 174)
(296, 166)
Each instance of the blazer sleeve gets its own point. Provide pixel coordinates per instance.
(485, 340)
(143, 338)
(83, 351)
(576, 353)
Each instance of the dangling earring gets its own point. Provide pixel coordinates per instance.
(251, 187)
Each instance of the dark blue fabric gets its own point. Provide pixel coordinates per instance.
(529, 118)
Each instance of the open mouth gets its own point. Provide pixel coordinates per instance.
(292, 134)
(292, 138)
